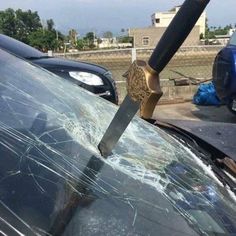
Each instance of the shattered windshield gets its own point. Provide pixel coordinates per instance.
(53, 180)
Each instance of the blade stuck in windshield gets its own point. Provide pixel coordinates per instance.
(143, 80)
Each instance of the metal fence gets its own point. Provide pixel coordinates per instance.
(193, 62)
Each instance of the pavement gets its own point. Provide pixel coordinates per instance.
(189, 111)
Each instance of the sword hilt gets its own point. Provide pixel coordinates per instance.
(143, 85)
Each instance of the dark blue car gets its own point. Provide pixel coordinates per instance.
(224, 74)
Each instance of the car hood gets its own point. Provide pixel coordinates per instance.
(53, 178)
(65, 64)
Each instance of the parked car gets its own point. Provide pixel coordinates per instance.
(224, 74)
(53, 180)
(94, 78)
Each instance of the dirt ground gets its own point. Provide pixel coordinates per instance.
(189, 111)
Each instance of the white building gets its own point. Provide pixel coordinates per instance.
(107, 42)
(231, 31)
(111, 43)
(163, 19)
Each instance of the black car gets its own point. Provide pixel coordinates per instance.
(54, 181)
(94, 78)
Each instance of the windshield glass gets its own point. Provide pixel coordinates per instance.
(232, 40)
(18, 48)
(54, 181)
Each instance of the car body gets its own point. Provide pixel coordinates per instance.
(224, 74)
(94, 78)
(53, 180)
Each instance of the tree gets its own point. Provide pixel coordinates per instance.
(8, 22)
(26, 26)
(26, 23)
(50, 25)
(107, 34)
(90, 36)
(99, 41)
(44, 40)
(47, 37)
(122, 30)
(19, 24)
(89, 39)
(73, 37)
(125, 39)
(221, 31)
(208, 33)
(80, 44)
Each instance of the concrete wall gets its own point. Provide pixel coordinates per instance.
(154, 34)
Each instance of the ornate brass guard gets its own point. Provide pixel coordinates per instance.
(143, 85)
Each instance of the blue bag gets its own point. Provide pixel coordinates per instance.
(206, 95)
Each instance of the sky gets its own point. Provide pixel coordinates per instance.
(113, 15)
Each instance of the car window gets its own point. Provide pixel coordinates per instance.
(53, 179)
(232, 40)
(18, 48)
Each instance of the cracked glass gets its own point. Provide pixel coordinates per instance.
(53, 180)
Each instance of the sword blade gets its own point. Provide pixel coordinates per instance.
(121, 120)
(169, 43)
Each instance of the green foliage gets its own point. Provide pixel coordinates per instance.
(99, 41)
(107, 34)
(26, 23)
(89, 40)
(8, 22)
(125, 39)
(80, 44)
(19, 24)
(90, 36)
(201, 36)
(44, 40)
(210, 35)
(26, 26)
(50, 25)
(211, 32)
(73, 37)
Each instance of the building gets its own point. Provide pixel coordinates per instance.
(231, 31)
(163, 19)
(148, 37)
(103, 43)
(106, 42)
(220, 40)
